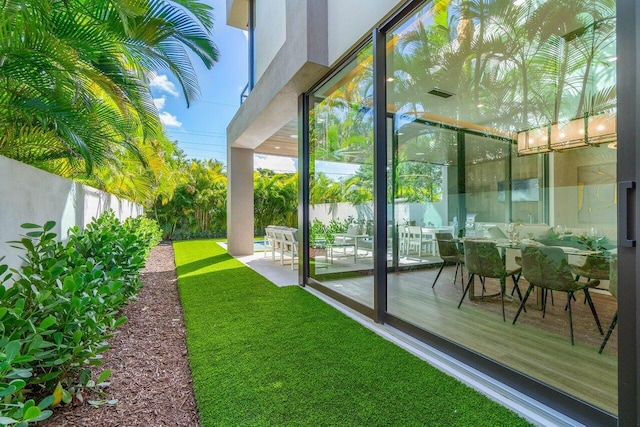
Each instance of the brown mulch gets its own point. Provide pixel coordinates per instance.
(148, 359)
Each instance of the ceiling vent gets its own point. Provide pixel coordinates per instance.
(441, 93)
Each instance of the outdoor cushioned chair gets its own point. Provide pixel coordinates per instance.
(450, 254)
(270, 242)
(415, 240)
(547, 268)
(290, 245)
(483, 259)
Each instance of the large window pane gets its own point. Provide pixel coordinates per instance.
(504, 163)
(341, 182)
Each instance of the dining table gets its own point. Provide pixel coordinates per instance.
(572, 253)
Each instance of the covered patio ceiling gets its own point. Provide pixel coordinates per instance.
(282, 143)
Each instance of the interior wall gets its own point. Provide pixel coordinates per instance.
(565, 169)
(482, 190)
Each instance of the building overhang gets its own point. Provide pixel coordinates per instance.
(238, 13)
(299, 64)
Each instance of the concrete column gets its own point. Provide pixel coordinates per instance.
(240, 201)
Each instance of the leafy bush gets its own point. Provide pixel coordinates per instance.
(58, 309)
(206, 234)
(145, 229)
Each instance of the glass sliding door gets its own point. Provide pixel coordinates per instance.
(341, 182)
(504, 166)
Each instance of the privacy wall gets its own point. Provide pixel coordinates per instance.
(28, 194)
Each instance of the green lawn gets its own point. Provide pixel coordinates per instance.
(263, 355)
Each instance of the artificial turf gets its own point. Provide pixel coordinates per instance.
(263, 355)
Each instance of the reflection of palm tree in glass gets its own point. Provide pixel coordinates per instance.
(527, 64)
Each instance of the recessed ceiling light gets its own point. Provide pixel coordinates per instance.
(293, 136)
(277, 147)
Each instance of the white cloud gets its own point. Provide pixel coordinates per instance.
(275, 163)
(159, 102)
(162, 82)
(169, 119)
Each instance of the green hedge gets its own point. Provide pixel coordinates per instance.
(58, 309)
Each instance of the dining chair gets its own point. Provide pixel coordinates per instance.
(450, 254)
(613, 288)
(483, 259)
(595, 266)
(547, 268)
(415, 240)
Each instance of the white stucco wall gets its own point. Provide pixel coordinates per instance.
(270, 32)
(350, 20)
(31, 195)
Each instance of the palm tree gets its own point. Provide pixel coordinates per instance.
(275, 199)
(73, 76)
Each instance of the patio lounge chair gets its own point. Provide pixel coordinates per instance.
(289, 245)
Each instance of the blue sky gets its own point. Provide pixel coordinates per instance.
(201, 129)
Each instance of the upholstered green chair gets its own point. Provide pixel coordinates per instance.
(483, 259)
(451, 255)
(547, 268)
(595, 267)
(613, 288)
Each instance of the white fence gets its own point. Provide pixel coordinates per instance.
(28, 194)
(433, 214)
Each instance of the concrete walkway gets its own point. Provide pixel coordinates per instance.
(280, 275)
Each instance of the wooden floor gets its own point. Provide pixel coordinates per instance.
(538, 347)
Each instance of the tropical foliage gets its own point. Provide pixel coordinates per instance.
(275, 199)
(533, 62)
(198, 206)
(58, 309)
(74, 97)
(530, 63)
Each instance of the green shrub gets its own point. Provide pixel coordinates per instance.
(58, 309)
(145, 229)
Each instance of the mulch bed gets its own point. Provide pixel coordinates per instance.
(148, 358)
